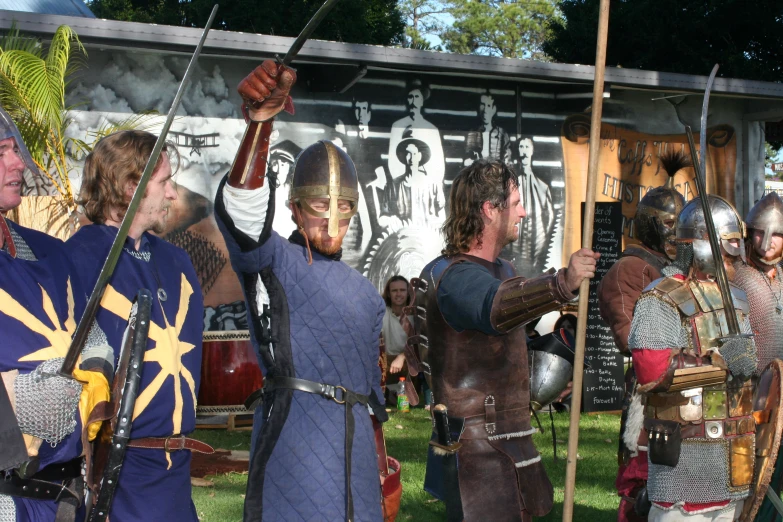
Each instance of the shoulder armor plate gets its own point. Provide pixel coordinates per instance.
(676, 291)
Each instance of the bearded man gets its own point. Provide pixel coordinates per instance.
(41, 298)
(155, 475)
(313, 453)
(475, 308)
(640, 265)
(700, 427)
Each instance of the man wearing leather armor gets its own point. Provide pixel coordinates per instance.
(639, 265)
(313, 455)
(475, 308)
(42, 298)
(696, 382)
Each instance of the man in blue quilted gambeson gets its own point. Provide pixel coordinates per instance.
(313, 452)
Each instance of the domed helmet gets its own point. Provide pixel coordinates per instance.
(551, 363)
(8, 129)
(767, 216)
(656, 213)
(324, 170)
(691, 228)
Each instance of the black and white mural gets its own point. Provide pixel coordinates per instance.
(409, 135)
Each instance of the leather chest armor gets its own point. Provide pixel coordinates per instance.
(484, 381)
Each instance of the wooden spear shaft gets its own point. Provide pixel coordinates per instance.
(587, 242)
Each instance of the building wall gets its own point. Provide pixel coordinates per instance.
(406, 163)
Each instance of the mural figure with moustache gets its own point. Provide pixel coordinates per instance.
(155, 477)
(313, 455)
(41, 298)
(475, 309)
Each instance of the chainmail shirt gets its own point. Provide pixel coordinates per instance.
(764, 296)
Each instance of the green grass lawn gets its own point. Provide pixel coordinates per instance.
(406, 440)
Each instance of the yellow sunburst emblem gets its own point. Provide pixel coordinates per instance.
(58, 336)
(168, 350)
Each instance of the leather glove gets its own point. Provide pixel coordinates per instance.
(740, 356)
(95, 389)
(265, 90)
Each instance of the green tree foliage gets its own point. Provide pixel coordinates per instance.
(684, 36)
(507, 28)
(421, 19)
(355, 21)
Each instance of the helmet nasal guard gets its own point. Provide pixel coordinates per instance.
(325, 171)
(691, 228)
(767, 216)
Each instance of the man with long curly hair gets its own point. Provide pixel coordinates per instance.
(475, 307)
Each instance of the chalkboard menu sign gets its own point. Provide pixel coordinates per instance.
(604, 379)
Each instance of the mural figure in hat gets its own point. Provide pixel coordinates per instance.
(414, 125)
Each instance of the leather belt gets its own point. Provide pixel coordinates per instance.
(50, 483)
(341, 396)
(494, 422)
(172, 443)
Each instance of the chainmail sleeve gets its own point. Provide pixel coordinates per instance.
(656, 336)
(97, 354)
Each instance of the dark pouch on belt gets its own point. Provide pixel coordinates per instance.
(663, 441)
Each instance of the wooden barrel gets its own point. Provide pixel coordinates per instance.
(229, 369)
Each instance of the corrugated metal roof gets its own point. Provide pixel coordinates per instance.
(55, 7)
(128, 35)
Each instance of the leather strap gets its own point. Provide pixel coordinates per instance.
(172, 443)
(8, 238)
(37, 489)
(341, 396)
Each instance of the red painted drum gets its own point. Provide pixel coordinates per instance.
(229, 371)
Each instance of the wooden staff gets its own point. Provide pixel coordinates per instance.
(587, 242)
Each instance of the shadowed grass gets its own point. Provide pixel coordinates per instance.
(407, 435)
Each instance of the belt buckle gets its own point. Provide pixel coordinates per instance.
(166, 447)
(334, 397)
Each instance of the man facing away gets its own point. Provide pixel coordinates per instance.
(640, 265)
(475, 307)
(313, 453)
(700, 428)
(154, 482)
(41, 298)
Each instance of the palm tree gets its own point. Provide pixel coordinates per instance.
(32, 89)
(33, 80)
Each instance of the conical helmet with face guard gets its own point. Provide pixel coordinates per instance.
(325, 171)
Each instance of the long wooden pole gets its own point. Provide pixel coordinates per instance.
(587, 242)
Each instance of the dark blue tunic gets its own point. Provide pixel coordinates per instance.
(326, 323)
(40, 306)
(153, 484)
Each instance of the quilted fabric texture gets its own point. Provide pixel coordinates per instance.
(335, 317)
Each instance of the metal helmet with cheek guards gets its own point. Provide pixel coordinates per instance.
(324, 170)
(691, 228)
(767, 216)
(8, 129)
(661, 205)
